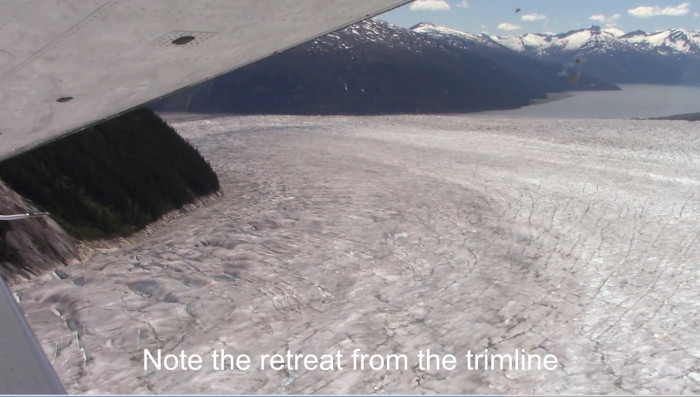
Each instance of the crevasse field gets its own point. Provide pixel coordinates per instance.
(577, 238)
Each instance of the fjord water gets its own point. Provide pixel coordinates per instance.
(632, 102)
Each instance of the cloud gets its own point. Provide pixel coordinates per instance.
(508, 26)
(533, 17)
(648, 12)
(603, 19)
(429, 5)
(463, 4)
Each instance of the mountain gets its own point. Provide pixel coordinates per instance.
(374, 67)
(668, 57)
(552, 75)
(668, 42)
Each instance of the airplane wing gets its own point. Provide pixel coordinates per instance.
(24, 369)
(66, 64)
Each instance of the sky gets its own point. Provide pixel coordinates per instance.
(512, 17)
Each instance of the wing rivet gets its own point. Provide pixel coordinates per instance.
(64, 99)
(182, 40)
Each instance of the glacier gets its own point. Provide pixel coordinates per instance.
(393, 234)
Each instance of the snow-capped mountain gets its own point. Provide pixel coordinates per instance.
(667, 42)
(580, 42)
(599, 40)
(536, 72)
(370, 32)
(667, 57)
(456, 38)
(671, 56)
(375, 67)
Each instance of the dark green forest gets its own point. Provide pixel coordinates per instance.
(113, 178)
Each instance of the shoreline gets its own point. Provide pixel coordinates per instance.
(551, 97)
